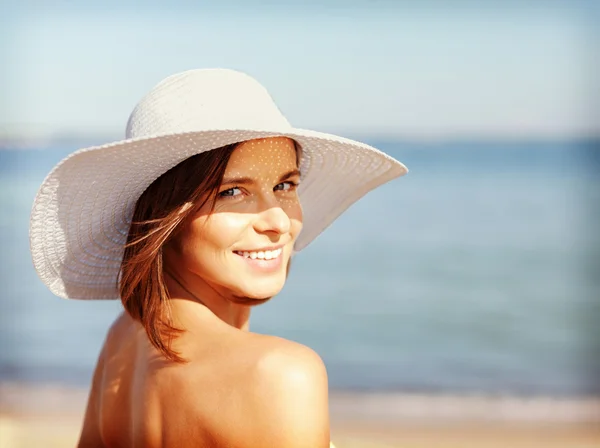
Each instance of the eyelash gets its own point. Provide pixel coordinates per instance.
(222, 194)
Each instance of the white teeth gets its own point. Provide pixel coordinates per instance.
(261, 255)
(276, 253)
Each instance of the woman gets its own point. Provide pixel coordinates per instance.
(191, 221)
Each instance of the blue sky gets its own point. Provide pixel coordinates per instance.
(426, 69)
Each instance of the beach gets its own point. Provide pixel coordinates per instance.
(453, 307)
(51, 416)
(53, 431)
(475, 293)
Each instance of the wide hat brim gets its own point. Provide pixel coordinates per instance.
(82, 212)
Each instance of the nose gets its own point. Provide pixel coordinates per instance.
(272, 220)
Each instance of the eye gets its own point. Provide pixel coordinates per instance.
(286, 186)
(230, 192)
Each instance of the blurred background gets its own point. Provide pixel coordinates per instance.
(476, 275)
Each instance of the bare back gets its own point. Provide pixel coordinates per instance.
(224, 395)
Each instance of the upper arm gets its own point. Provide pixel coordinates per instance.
(292, 405)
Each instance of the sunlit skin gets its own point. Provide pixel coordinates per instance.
(257, 207)
(237, 388)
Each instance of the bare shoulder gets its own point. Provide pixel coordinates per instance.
(253, 391)
(291, 395)
(91, 434)
(288, 364)
(110, 364)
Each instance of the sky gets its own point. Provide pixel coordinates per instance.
(412, 69)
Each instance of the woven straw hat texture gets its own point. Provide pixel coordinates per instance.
(82, 211)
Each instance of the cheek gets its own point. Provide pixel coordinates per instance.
(217, 232)
(293, 209)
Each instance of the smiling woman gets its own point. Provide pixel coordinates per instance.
(234, 235)
(256, 215)
(191, 221)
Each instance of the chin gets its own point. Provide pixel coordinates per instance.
(260, 289)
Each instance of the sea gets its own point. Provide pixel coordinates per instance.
(477, 272)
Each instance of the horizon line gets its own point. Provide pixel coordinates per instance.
(91, 140)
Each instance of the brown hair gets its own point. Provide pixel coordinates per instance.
(159, 212)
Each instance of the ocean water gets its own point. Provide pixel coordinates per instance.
(478, 272)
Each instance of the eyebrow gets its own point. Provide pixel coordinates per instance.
(250, 181)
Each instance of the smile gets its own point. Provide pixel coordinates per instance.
(261, 255)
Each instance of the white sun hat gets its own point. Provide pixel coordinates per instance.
(82, 212)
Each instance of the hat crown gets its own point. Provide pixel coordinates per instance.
(206, 99)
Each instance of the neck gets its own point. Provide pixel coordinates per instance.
(191, 294)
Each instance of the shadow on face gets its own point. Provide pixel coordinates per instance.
(242, 248)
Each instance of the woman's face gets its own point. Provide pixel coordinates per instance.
(243, 248)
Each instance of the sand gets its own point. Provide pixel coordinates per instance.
(50, 416)
(52, 431)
